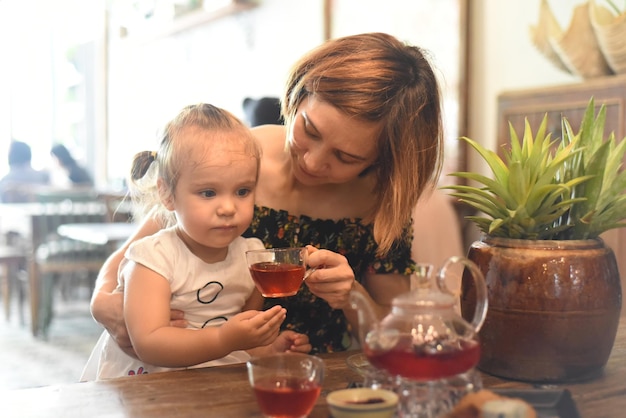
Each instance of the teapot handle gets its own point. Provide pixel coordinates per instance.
(481, 287)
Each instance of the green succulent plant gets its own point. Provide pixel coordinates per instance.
(547, 189)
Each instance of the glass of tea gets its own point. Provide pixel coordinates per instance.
(278, 272)
(286, 385)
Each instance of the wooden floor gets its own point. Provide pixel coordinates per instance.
(30, 362)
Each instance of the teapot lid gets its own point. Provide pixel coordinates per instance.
(424, 298)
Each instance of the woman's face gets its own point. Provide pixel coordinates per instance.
(328, 146)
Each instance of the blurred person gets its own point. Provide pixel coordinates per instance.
(263, 111)
(76, 175)
(17, 184)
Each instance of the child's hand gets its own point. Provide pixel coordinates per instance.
(251, 329)
(290, 341)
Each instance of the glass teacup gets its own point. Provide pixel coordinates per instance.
(278, 272)
(286, 385)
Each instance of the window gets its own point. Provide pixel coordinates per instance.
(48, 85)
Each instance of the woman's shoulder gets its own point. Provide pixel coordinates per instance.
(273, 181)
(271, 138)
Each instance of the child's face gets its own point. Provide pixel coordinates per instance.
(214, 197)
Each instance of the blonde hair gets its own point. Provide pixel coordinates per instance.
(166, 163)
(375, 77)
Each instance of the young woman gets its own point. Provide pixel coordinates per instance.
(201, 181)
(76, 175)
(362, 140)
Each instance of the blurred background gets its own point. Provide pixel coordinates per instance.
(102, 77)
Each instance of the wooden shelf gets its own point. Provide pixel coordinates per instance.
(185, 22)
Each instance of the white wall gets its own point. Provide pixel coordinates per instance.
(168, 73)
(504, 58)
(246, 54)
(44, 76)
(249, 54)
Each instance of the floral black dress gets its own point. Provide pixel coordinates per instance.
(327, 328)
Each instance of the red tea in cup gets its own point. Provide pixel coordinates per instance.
(286, 385)
(286, 398)
(277, 280)
(277, 272)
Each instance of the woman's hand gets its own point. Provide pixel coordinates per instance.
(334, 278)
(114, 322)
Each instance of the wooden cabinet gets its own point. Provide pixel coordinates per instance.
(570, 101)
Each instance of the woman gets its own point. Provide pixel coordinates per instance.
(362, 140)
(77, 175)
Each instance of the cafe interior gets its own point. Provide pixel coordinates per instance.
(102, 77)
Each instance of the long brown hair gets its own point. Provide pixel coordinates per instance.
(375, 77)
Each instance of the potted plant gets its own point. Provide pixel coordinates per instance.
(553, 285)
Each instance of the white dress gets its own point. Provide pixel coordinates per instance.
(209, 294)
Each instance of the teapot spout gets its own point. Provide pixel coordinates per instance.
(365, 313)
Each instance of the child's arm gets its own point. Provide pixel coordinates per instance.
(147, 313)
(107, 305)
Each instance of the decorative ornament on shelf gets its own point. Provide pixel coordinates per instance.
(610, 30)
(592, 45)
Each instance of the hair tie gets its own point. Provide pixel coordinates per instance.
(154, 155)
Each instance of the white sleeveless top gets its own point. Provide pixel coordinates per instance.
(209, 294)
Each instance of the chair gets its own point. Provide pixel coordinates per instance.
(119, 206)
(13, 258)
(54, 258)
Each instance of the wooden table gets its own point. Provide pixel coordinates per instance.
(224, 392)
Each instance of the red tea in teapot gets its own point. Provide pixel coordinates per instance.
(425, 364)
(423, 337)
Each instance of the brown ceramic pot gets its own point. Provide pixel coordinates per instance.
(554, 307)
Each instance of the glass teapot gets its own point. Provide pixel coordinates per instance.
(423, 338)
